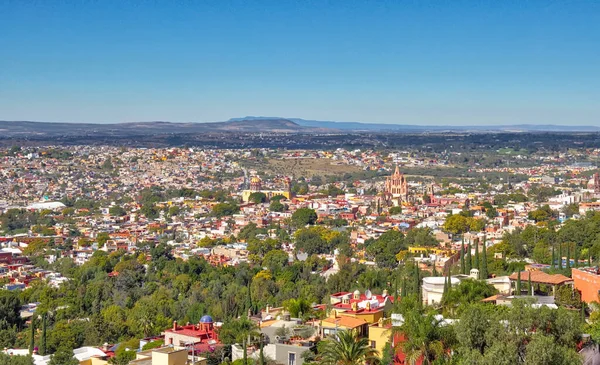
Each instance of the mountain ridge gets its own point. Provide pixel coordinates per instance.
(250, 124)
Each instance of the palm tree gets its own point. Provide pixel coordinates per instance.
(348, 348)
(424, 338)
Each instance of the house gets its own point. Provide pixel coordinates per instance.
(203, 335)
(366, 306)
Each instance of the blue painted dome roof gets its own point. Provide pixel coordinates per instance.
(206, 319)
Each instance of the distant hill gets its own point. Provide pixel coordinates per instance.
(270, 125)
(256, 125)
(410, 128)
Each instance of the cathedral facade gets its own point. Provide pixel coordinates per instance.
(396, 185)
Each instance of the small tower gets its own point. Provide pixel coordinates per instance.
(287, 185)
(255, 183)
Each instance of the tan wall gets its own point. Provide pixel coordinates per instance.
(173, 358)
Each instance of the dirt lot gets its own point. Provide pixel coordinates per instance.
(308, 167)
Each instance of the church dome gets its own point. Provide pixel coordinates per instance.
(206, 319)
(255, 179)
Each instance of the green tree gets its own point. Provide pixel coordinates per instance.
(63, 356)
(347, 348)
(303, 217)
(456, 224)
(117, 211)
(15, 359)
(240, 330)
(277, 206)
(257, 197)
(224, 209)
(395, 210)
(426, 338)
(297, 306)
(43, 339)
(483, 273)
(102, 238)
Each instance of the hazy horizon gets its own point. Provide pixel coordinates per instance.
(415, 63)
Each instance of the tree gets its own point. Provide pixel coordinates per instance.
(63, 356)
(456, 224)
(43, 346)
(462, 258)
(10, 308)
(15, 359)
(421, 237)
(469, 291)
(296, 307)
(395, 210)
(224, 209)
(32, 335)
(477, 262)
(543, 350)
(347, 348)
(277, 206)
(483, 273)
(425, 336)
(518, 283)
(303, 217)
(469, 260)
(275, 260)
(257, 197)
(239, 331)
(102, 238)
(117, 211)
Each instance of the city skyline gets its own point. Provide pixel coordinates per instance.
(410, 63)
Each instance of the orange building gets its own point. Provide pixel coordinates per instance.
(587, 281)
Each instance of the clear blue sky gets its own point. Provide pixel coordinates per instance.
(413, 62)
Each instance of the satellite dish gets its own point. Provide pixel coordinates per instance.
(368, 294)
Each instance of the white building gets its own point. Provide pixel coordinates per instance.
(433, 288)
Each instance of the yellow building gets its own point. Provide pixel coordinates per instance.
(256, 187)
(334, 323)
(379, 335)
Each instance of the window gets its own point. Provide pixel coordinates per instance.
(291, 358)
(373, 344)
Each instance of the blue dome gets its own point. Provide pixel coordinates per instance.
(206, 319)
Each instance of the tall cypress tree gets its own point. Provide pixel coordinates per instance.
(469, 259)
(519, 283)
(553, 258)
(42, 349)
(434, 271)
(483, 274)
(568, 256)
(560, 256)
(462, 257)
(403, 292)
(576, 258)
(530, 285)
(32, 335)
(445, 293)
(419, 297)
(477, 261)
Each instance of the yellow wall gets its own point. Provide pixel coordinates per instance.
(269, 193)
(381, 336)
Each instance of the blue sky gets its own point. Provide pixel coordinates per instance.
(408, 62)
